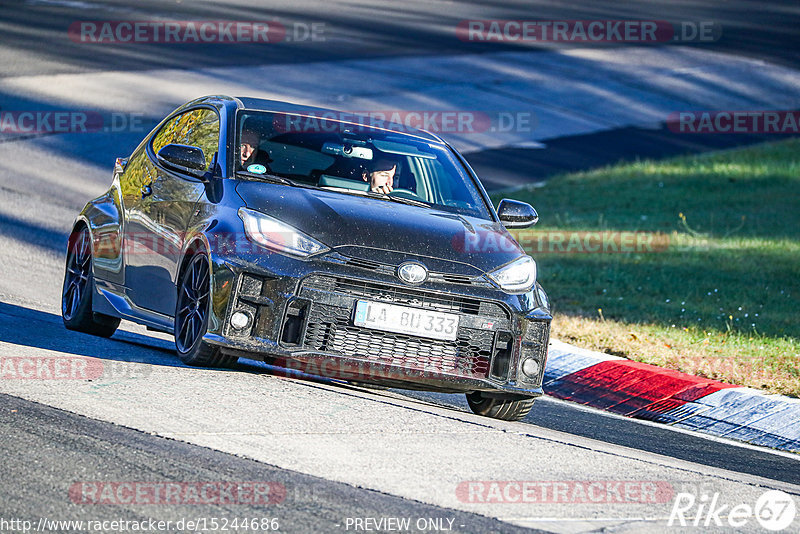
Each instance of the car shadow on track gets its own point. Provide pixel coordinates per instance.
(29, 327)
(20, 325)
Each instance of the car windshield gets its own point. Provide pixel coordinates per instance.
(355, 159)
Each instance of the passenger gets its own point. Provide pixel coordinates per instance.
(381, 176)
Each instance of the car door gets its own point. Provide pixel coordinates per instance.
(159, 210)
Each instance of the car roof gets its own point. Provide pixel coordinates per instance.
(261, 104)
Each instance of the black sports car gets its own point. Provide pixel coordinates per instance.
(318, 241)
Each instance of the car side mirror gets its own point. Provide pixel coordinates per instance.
(183, 158)
(516, 214)
(119, 165)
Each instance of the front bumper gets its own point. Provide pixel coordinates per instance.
(301, 318)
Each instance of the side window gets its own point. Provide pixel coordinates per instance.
(199, 127)
(136, 176)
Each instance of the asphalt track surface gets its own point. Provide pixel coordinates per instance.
(35, 31)
(47, 450)
(35, 41)
(61, 447)
(46, 445)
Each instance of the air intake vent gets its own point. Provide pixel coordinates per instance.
(457, 279)
(363, 264)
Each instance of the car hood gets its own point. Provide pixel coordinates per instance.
(385, 231)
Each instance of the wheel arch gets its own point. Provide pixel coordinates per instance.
(77, 226)
(103, 218)
(190, 248)
(222, 277)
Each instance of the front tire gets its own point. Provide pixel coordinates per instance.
(191, 316)
(507, 410)
(78, 290)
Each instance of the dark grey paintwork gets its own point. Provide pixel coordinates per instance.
(151, 216)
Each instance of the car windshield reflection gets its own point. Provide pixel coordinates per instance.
(355, 159)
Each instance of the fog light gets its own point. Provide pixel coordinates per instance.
(531, 368)
(240, 320)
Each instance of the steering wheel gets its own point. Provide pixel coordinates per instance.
(405, 193)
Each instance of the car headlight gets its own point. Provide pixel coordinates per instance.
(518, 276)
(278, 236)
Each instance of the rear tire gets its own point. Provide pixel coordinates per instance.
(507, 410)
(78, 290)
(191, 316)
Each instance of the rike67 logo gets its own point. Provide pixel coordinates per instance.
(774, 510)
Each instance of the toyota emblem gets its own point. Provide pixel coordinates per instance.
(412, 272)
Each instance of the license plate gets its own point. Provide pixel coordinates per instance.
(404, 320)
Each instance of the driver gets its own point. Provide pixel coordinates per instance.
(381, 176)
(249, 153)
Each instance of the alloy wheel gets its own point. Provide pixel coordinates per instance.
(78, 274)
(192, 309)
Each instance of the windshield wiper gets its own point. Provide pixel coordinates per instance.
(401, 200)
(280, 180)
(267, 178)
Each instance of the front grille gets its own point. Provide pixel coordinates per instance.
(329, 329)
(384, 268)
(328, 302)
(417, 298)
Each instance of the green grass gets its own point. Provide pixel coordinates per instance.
(721, 300)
